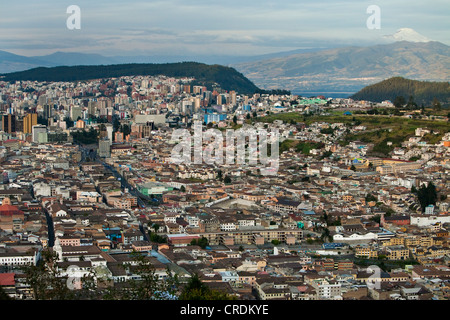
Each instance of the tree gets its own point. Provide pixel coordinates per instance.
(436, 105)
(427, 195)
(219, 174)
(183, 189)
(411, 103)
(125, 129)
(202, 242)
(370, 197)
(69, 123)
(195, 289)
(399, 101)
(4, 295)
(46, 281)
(148, 286)
(154, 237)
(227, 180)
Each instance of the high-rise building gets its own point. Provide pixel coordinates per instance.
(48, 111)
(109, 129)
(104, 146)
(92, 108)
(197, 104)
(29, 121)
(75, 113)
(233, 98)
(9, 123)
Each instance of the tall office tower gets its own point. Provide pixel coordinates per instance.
(29, 121)
(19, 125)
(109, 129)
(104, 146)
(75, 113)
(48, 110)
(207, 95)
(9, 123)
(197, 104)
(92, 108)
(233, 98)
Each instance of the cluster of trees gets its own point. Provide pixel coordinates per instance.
(370, 197)
(306, 147)
(154, 237)
(202, 242)
(328, 130)
(85, 136)
(400, 102)
(195, 289)
(426, 194)
(382, 148)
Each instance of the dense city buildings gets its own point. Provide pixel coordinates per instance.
(354, 211)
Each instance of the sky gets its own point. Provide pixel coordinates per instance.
(210, 27)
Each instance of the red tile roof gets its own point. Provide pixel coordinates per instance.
(7, 279)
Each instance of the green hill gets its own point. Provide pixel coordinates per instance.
(227, 78)
(422, 91)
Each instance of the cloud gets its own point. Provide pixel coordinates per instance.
(227, 27)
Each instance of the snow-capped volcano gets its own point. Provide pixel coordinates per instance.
(407, 34)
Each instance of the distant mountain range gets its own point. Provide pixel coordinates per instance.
(207, 75)
(10, 62)
(349, 69)
(343, 71)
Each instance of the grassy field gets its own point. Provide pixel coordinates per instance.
(370, 121)
(380, 129)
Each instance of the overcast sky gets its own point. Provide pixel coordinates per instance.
(234, 27)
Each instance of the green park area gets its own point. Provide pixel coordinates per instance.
(380, 129)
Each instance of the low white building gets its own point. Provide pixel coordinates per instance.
(355, 237)
(13, 259)
(423, 221)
